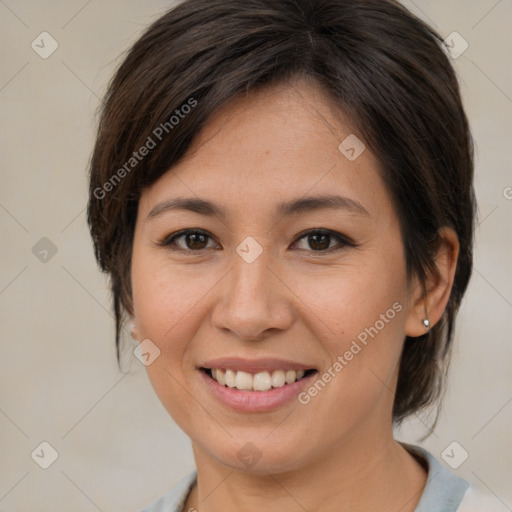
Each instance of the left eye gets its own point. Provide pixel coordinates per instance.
(317, 240)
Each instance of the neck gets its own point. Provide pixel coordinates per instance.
(376, 475)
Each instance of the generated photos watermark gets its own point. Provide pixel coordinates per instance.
(137, 156)
(355, 348)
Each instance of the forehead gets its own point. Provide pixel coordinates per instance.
(273, 145)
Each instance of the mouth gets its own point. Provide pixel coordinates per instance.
(255, 385)
(257, 382)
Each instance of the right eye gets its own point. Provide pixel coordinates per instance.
(187, 240)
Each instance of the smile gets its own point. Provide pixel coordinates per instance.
(255, 385)
(260, 381)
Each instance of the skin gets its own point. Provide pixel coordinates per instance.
(337, 452)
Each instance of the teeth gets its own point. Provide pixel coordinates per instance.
(278, 379)
(262, 381)
(230, 378)
(290, 376)
(243, 380)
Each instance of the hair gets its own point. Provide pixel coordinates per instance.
(382, 66)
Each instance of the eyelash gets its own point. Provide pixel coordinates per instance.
(169, 241)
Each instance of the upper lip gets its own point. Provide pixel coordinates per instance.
(255, 365)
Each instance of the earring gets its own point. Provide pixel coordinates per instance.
(131, 329)
(426, 323)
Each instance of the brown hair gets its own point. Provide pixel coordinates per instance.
(383, 66)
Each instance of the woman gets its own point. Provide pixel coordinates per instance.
(281, 193)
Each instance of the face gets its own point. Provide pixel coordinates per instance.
(275, 288)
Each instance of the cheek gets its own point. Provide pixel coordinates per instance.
(346, 301)
(167, 303)
(358, 314)
(167, 308)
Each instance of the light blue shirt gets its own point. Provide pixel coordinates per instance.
(443, 492)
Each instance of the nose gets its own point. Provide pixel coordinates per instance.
(254, 302)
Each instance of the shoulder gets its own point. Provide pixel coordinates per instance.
(445, 491)
(477, 500)
(174, 500)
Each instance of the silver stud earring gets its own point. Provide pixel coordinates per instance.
(131, 329)
(426, 323)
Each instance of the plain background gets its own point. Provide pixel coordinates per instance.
(118, 450)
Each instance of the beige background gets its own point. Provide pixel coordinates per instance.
(117, 448)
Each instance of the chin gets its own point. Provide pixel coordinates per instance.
(256, 455)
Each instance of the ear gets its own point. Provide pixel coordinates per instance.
(429, 301)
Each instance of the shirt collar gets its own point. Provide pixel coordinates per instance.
(444, 491)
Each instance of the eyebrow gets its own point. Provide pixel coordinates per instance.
(288, 208)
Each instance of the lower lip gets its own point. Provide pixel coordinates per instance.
(255, 401)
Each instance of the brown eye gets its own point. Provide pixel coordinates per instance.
(317, 240)
(187, 240)
(195, 241)
(320, 241)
